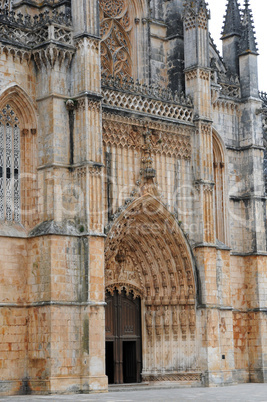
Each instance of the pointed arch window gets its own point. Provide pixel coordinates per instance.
(9, 166)
(219, 191)
(116, 25)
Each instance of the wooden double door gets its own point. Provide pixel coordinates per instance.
(123, 339)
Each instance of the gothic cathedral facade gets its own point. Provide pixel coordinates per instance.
(132, 196)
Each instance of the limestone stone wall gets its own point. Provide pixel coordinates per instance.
(141, 164)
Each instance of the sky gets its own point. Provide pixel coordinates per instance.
(259, 8)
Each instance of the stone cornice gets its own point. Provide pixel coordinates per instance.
(251, 254)
(247, 197)
(245, 148)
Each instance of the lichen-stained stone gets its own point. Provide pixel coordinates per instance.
(132, 197)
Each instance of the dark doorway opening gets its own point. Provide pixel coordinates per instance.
(110, 362)
(123, 338)
(129, 362)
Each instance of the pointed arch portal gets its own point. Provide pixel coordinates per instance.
(148, 258)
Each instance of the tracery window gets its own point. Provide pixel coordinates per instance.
(116, 26)
(9, 166)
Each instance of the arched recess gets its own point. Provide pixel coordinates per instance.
(220, 189)
(14, 101)
(124, 38)
(147, 255)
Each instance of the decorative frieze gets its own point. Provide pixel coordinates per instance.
(50, 55)
(153, 125)
(128, 85)
(197, 73)
(16, 53)
(139, 104)
(95, 170)
(30, 32)
(204, 75)
(87, 42)
(128, 133)
(178, 377)
(28, 21)
(21, 36)
(232, 91)
(143, 99)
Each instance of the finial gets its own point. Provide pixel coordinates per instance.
(248, 42)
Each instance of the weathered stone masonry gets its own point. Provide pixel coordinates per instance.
(132, 164)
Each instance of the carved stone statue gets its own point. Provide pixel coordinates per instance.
(167, 320)
(149, 321)
(182, 293)
(158, 316)
(175, 320)
(158, 321)
(183, 322)
(192, 321)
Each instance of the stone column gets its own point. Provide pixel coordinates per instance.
(88, 157)
(214, 309)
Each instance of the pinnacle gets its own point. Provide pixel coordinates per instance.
(232, 19)
(248, 42)
(196, 6)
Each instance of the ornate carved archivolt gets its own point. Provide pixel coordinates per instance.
(116, 24)
(147, 255)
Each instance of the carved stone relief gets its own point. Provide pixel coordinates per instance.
(115, 26)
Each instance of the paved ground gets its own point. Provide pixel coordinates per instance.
(247, 392)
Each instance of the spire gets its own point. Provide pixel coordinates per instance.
(232, 19)
(248, 42)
